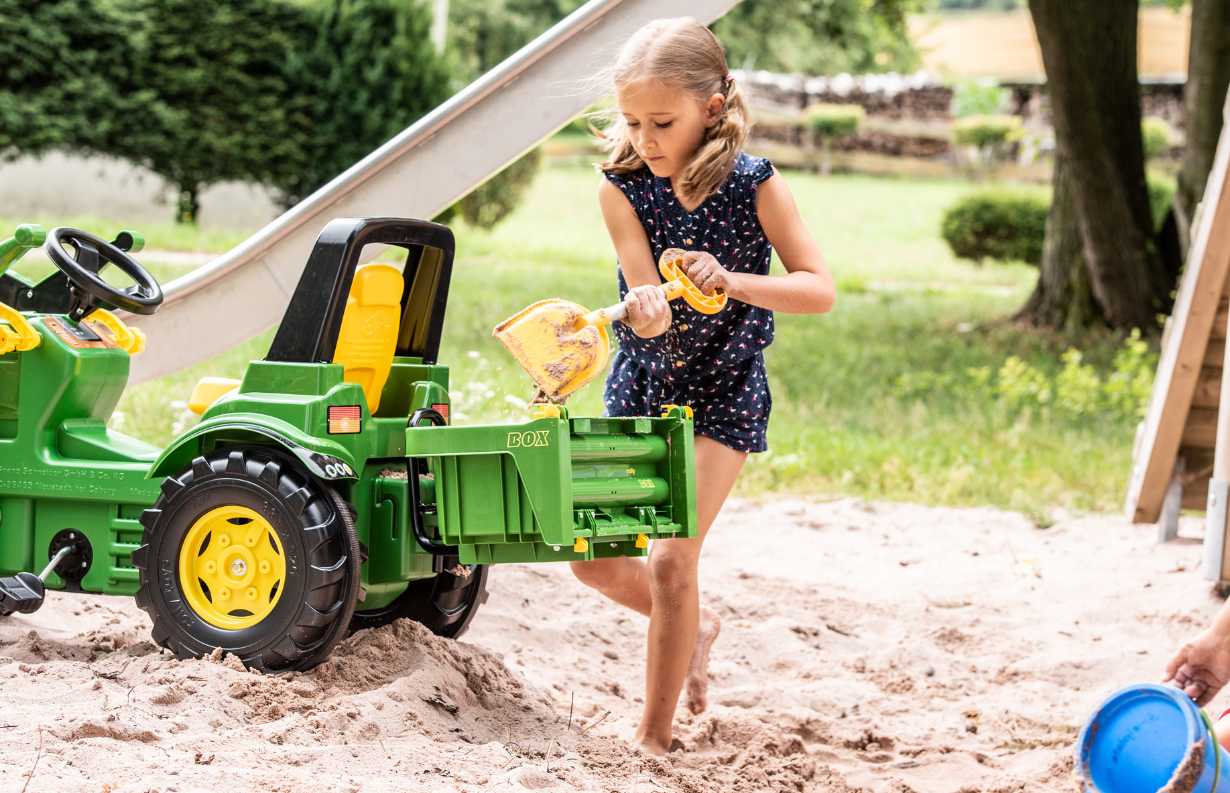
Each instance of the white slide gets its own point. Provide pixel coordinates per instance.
(420, 172)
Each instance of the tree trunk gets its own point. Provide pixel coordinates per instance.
(1089, 51)
(1204, 97)
(1062, 297)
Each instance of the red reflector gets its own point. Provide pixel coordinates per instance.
(345, 419)
(442, 410)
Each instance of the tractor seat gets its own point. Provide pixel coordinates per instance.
(368, 338)
(365, 344)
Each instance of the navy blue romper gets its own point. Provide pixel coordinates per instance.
(711, 362)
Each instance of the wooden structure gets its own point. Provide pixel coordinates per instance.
(1175, 443)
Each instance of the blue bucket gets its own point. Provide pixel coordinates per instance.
(1136, 740)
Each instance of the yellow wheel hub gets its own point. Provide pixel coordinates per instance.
(231, 567)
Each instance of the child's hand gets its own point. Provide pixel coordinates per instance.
(1201, 667)
(705, 272)
(649, 312)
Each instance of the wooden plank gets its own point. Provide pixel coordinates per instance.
(1198, 467)
(1215, 353)
(1183, 350)
(1200, 431)
(1219, 320)
(1208, 386)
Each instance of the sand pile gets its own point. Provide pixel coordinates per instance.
(865, 647)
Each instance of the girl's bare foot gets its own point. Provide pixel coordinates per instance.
(698, 667)
(642, 744)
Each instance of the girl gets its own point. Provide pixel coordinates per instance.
(677, 177)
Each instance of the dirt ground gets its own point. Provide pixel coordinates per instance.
(865, 647)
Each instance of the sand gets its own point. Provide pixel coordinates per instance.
(865, 647)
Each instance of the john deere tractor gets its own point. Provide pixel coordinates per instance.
(324, 492)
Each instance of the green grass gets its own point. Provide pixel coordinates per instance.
(839, 426)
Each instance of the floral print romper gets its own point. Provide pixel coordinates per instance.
(713, 363)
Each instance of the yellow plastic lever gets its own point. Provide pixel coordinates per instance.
(642, 541)
(208, 391)
(19, 334)
(130, 340)
(581, 545)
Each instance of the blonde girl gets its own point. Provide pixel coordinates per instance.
(676, 177)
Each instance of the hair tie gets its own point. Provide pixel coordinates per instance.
(728, 77)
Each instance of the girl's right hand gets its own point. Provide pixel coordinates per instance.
(649, 312)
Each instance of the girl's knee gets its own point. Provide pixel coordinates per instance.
(672, 573)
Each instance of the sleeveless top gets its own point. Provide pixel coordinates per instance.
(725, 224)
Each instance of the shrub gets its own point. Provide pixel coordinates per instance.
(1155, 135)
(1161, 196)
(975, 99)
(986, 131)
(833, 120)
(996, 225)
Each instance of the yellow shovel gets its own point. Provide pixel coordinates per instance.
(563, 347)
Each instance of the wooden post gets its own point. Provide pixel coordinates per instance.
(1216, 548)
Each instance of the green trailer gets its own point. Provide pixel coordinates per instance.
(324, 492)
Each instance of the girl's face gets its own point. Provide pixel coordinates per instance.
(666, 124)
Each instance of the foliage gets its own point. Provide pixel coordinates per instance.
(1011, 226)
(834, 120)
(212, 75)
(976, 5)
(819, 36)
(1161, 196)
(361, 71)
(495, 199)
(482, 33)
(61, 80)
(997, 225)
(1076, 392)
(1156, 134)
(986, 132)
(975, 98)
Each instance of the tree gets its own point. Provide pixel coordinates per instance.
(361, 71)
(819, 36)
(1204, 95)
(1089, 52)
(60, 79)
(210, 77)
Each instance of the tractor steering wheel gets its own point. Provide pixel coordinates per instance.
(89, 291)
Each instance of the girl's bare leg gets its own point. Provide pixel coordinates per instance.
(681, 631)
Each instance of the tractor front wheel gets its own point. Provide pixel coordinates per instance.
(247, 552)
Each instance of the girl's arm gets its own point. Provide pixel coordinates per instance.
(649, 312)
(807, 287)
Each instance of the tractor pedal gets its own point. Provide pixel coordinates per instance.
(20, 593)
(363, 554)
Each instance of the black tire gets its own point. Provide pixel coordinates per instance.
(445, 603)
(314, 526)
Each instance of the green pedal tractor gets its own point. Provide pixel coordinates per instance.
(323, 493)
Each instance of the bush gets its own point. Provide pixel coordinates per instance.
(833, 120)
(974, 99)
(996, 225)
(986, 131)
(1161, 196)
(1155, 136)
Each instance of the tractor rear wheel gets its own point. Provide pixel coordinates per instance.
(247, 552)
(445, 603)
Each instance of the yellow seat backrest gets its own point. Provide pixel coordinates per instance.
(368, 338)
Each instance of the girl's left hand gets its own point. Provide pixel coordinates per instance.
(705, 272)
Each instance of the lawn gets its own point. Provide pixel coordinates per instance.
(850, 416)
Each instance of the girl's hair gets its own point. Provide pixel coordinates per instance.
(682, 53)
